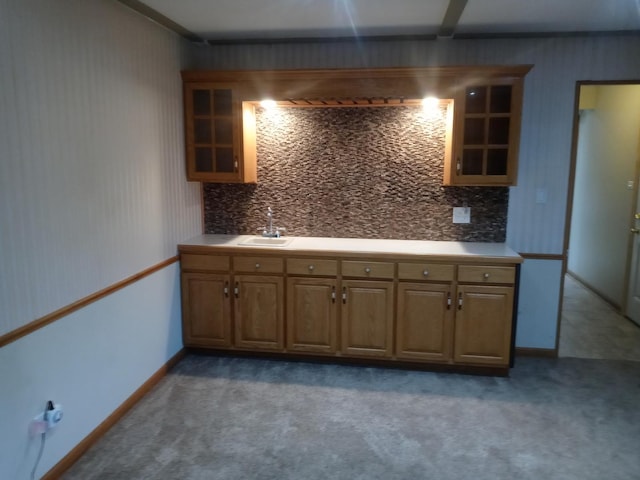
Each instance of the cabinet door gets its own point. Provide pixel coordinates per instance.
(483, 324)
(486, 134)
(214, 137)
(258, 308)
(367, 318)
(312, 315)
(206, 319)
(424, 329)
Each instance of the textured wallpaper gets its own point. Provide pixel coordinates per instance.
(355, 172)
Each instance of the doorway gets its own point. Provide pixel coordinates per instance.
(601, 285)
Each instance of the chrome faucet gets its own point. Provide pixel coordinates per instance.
(271, 231)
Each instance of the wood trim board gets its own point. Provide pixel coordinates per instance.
(536, 352)
(37, 324)
(542, 256)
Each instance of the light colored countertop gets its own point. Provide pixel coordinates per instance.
(436, 250)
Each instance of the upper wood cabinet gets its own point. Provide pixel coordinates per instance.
(482, 133)
(219, 134)
(486, 133)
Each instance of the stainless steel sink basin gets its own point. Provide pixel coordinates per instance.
(266, 242)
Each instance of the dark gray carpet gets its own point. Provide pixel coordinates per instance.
(232, 418)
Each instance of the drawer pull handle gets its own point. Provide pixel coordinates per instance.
(333, 294)
(257, 266)
(425, 273)
(486, 275)
(311, 267)
(367, 270)
(448, 300)
(460, 301)
(344, 294)
(236, 290)
(226, 289)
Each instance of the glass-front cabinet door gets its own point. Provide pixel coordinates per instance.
(486, 132)
(214, 134)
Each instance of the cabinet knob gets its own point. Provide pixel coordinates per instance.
(486, 275)
(367, 270)
(425, 273)
(311, 267)
(257, 265)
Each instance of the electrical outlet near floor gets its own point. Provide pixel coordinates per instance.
(461, 215)
(46, 420)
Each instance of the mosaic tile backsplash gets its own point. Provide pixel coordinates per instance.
(355, 172)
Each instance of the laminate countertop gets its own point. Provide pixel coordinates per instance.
(354, 247)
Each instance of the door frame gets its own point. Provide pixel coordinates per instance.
(571, 189)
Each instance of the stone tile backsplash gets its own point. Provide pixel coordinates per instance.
(355, 172)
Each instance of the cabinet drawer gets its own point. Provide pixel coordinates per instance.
(312, 266)
(425, 271)
(486, 274)
(367, 269)
(258, 264)
(189, 261)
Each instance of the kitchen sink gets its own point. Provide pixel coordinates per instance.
(266, 242)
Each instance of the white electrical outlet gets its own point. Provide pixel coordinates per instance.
(54, 417)
(461, 215)
(46, 420)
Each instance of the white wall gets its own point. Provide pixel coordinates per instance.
(606, 160)
(92, 190)
(547, 120)
(92, 183)
(538, 306)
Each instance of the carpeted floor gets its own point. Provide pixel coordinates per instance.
(241, 419)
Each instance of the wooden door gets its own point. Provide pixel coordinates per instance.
(312, 315)
(632, 306)
(206, 310)
(258, 308)
(483, 324)
(424, 329)
(367, 318)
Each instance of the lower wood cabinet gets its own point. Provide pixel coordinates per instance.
(312, 315)
(483, 324)
(367, 318)
(258, 312)
(407, 311)
(424, 329)
(206, 307)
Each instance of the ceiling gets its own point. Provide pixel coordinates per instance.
(269, 20)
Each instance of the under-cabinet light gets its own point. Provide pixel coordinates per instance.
(430, 103)
(268, 104)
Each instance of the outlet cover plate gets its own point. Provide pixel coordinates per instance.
(461, 215)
